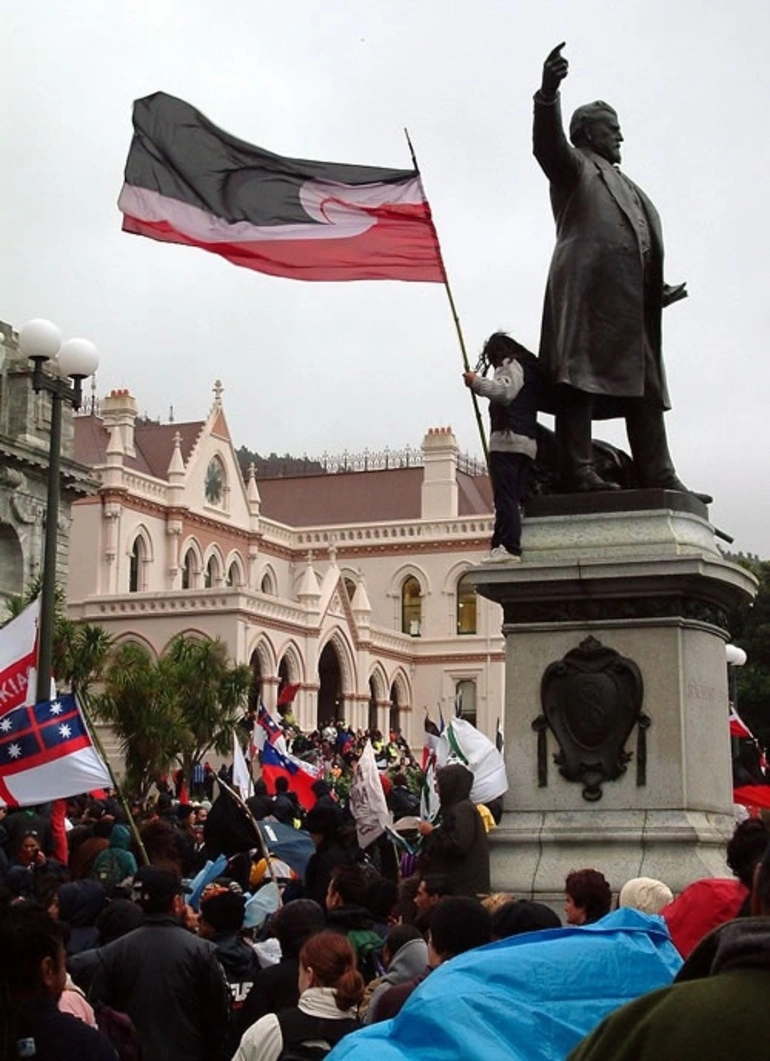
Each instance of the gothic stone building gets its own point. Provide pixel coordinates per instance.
(351, 584)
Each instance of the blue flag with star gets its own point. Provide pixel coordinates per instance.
(46, 753)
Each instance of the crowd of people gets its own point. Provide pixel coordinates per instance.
(107, 954)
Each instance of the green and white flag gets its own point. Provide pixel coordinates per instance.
(462, 743)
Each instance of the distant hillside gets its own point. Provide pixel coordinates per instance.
(276, 467)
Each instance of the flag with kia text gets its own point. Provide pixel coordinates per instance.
(18, 651)
(46, 753)
(188, 182)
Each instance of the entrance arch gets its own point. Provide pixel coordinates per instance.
(330, 686)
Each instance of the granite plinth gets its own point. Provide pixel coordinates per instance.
(652, 585)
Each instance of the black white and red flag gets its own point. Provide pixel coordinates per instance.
(186, 181)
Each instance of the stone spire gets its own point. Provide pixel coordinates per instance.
(309, 592)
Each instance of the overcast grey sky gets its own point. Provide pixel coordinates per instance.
(309, 367)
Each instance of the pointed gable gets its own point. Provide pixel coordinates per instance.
(220, 428)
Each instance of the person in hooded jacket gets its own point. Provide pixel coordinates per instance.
(456, 844)
(80, 903)
(117, 863)
(324, 825)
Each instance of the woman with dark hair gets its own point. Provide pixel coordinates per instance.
(29, 863)
(330, 989)
(587, 897)
(33, 975)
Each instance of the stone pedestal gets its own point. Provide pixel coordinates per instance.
(637, 573)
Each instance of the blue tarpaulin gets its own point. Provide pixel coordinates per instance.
(528, 998)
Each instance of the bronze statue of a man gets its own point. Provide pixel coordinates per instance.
(600, 343)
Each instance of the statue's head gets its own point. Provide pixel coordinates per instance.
(595, 125)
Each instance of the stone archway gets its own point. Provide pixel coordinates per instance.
(330, 686)
(11, 563)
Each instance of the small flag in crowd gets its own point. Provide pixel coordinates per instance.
(188, 182)
(430, 741)
(287, 694)
(429, 801)
(367, 800)
(272, 729)
(46, 753)
(241, 774)
(299, 775)
(462, 743)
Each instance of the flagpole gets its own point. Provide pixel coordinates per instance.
(262, 845)
(82, 699)
(455, 318)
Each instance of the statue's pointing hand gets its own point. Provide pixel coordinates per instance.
(555, 69)
(673, 293)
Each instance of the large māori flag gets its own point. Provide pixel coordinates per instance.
(186, 181)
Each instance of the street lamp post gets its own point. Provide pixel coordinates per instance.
(736, 658)
(72, 362)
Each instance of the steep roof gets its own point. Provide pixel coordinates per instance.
(362, 497)
(154, 444)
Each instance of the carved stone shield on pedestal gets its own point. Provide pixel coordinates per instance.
(591, 700)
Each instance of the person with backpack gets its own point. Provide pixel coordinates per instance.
(117, 863)
(346, 912)
(331, 987)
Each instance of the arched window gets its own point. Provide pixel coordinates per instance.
(233, 574)
(135, 563)
(350, 588)
(411, 607)
(466, 606)
(267, 585)
(212, 573)
(394, 714)
(188, 570)
(465, 700)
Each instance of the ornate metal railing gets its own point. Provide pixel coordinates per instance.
(381, 460)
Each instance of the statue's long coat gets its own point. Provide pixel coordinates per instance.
(599, 316)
